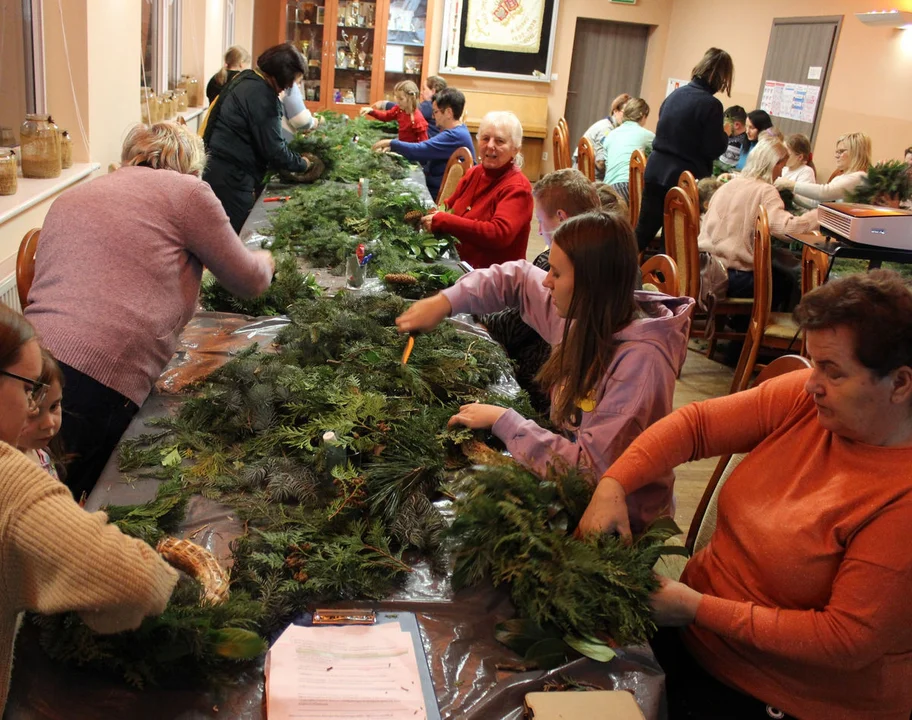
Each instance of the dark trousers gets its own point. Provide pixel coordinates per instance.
(235, 189)
(94, 418)
(694, 694)
(652, 213)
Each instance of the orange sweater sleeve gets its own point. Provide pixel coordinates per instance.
(727, 425)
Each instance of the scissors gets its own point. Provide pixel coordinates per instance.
(409, 346)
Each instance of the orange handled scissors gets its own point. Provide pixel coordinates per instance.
(409, 346)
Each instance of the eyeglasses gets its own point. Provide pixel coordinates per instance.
(840, 152)
(37, 389)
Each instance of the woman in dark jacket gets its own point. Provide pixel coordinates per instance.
(243, 131)
(689, 136)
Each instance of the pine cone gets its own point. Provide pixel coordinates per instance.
(413, 217)
(199, 563)
(399, 279)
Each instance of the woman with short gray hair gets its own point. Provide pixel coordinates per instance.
(490, 212)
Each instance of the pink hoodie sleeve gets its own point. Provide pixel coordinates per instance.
(516, 284)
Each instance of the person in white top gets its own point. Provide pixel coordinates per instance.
(853, 158)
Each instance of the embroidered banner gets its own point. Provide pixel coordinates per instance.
(505, 25)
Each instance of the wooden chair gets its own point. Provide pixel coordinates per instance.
(704, 520)
(559, 148)
(565, 128)
(662, 272)
(688, 183)
(637, 174)
(25, 265)
(766, 328)
(458, 165)
(815, 266)
(586, 158)
(682, 222)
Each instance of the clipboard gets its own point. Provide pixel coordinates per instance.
(409, 623)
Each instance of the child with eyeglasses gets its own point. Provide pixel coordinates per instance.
(37, 437)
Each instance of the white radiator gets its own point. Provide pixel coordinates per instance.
(8, 294)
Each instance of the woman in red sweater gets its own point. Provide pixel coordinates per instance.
(490, 212)
(799, 603)
(413, 128)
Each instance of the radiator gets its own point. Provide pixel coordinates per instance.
(8, 294)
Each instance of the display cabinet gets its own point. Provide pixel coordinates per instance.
(357, 51)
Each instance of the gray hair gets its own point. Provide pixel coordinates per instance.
(164, 145)
(510, 123)
(763, 158)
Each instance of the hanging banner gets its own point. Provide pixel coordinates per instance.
(505, 25)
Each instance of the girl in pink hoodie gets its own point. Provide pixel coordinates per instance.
(616, 352)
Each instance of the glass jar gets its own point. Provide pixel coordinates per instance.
(66, 150)
(167, 104)
(7, 137)
(155, 109)
(181, 100)
(145, 109)
(8, 172)
(40, 147)
(192, 86)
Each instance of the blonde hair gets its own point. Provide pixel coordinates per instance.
(636, 109)
(410, 91)
(235, 55)
(509, 122)
(766, 154)
(619, 102)
(164, 146)
(858, 146)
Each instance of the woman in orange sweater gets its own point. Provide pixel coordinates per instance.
(799, 603)
(413, 128)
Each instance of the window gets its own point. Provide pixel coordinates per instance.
(230, 10)
(161, 44)
(21, 65)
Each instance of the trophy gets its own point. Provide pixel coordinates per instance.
(362, 54)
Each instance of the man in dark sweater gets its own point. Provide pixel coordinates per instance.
(735, 117)
(434, 153)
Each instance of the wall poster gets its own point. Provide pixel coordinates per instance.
(791, 101)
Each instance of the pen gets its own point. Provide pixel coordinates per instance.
(366, 259)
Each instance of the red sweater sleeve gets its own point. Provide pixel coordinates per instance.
(512, 211)
(385, 115)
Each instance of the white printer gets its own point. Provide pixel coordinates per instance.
(868, 224)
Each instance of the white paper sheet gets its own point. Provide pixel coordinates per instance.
(344, 673)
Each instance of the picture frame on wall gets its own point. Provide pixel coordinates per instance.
(508, 39)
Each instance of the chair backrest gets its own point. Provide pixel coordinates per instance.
(815, 265)
(661, 271)
(558, 141)
(682, 223)
(458, 165)
(704, 519)
(562, 123)
(25, 265)
(637, 175)
(763, 278)
(586, 158)
(688, 183)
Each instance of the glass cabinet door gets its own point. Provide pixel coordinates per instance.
(305, 21)
(355, 49)
(405, 40)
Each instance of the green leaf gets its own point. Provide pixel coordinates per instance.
(547, 653)
(238, 644)
(673, 550)
(591, 648)
(520, 634)
(665, 523)
(172, 459)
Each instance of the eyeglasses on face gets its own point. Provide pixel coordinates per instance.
(37, 390)
(840, 152)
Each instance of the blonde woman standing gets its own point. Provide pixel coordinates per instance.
(853, 158)
(118, 277)
(236, 59)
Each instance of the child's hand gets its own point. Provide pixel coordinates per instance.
(365, 110)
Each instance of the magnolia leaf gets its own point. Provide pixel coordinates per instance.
(665, 523)
(172, 459)
(520, 634)
(591, 648)
(673, 550)
(547, 653)
(238, 644)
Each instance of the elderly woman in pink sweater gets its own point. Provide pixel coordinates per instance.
(616, 352)
(117, 277)
(727, 230)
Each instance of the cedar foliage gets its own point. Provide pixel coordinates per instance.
(250, 438)
(513, 528)
(288, 286)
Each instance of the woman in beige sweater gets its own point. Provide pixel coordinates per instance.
(727, 230)
(55, 557)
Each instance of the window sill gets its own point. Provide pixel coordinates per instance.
(32, 191)
(192, 113)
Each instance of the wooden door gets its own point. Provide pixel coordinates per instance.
(796, 72)
(608, 59)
